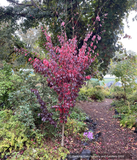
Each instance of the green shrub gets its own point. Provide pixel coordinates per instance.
(95, 93)
(6, 84)
(98, 95)
(129, 120)
(77, 114)
(118, 103)
(119, 95)
(107, 93)
(94, 83)
(43, 152)
(25, 105)
(117, 89)
(12, 133)
(82, 94)
(73, 127)
(132, 98)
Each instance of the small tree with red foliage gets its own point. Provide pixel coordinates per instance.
(65, 72)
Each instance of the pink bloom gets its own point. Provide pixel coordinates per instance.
(91, 44)
(89, 49)
(98, 18)
(26, 54)
(41, 27)
(29, 59)
(99, 38)
(93, 38)
(97, 54)
(63, 23)
(95, 47)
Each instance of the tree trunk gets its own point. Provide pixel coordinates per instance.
(62, 141)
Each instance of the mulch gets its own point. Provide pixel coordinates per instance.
(114, 139)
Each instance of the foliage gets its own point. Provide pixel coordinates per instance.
(125, 71)
(61, 72)
(15, 142)
(73, 127)
(42, 153)
(96, 93)
(8, 41)
(77, 114)
(129, 120)
(107, 93)
(25, 106)
(119, 95)
(117, 89)
(82, 96)
(133, 98)
(12, 133)
(94, 83)
(127, 112)
(6, 84)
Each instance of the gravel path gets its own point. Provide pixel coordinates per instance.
(114, 139)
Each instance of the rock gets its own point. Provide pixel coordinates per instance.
(85, 143)
(135, 131)
(91, 129)
(88, 120)
(97, 136)
(86, 154)
(94, 125)
(116, 112)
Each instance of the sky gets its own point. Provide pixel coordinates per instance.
(129, 44)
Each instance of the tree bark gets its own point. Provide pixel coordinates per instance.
(62, 141)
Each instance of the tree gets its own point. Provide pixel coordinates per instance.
(125, 70)
(78, 16)
(7, 42)
(65, 71)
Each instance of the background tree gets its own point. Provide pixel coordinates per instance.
(78, 16)
(125, 71)
(7, 42)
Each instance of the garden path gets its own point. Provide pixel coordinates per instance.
(113, 139)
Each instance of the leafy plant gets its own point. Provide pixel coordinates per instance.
(73, 127)
(77, 114)
(41, 153)
(6, 84)
(125, 72)
(129, 120)
(12, 133)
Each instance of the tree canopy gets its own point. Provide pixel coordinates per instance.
(78, 16)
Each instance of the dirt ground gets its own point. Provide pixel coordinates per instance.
(114, 139)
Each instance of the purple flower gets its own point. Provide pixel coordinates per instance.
(89, 135)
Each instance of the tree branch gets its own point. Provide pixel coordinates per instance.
(22, 4)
